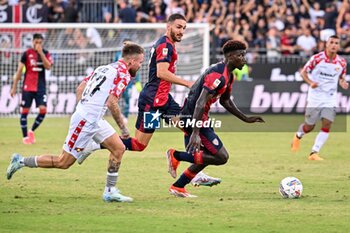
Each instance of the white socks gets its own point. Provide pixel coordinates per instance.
(300, 132)
(320, 140)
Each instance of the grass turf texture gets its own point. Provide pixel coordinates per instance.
(44, 200)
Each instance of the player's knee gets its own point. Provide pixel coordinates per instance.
(42, 111)
(308, 128)
(138, 146)
(142, 147)
(222, 158)
(25, 111)
(63, 164)
(118, 151)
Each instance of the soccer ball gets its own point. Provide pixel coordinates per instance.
(291, 187)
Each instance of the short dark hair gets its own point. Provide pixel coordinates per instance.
(333, 37)
(174, 17)
(132, 49)
(38, 36)
(233, 45)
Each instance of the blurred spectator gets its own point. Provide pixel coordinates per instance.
(13, 2)
(56, 11)
(174, 7)
(273, 45)
(126, 13)
(288, 41)
(259, 42)
(71, 14)
(306, 43)
(314, 11)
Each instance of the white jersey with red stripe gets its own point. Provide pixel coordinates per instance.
(105, 80)
(326, 73)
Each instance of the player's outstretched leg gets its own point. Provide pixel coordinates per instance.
(202, 179)
(113, 195)
(172, 162)
(15, 165)
(178, 188)
(303, 129)
(315, 156)
(111, 192)
(31, 136)
(179, 192)
(295, 146)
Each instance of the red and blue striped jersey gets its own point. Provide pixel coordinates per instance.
(156, 90)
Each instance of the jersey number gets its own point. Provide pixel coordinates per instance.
(94, 85)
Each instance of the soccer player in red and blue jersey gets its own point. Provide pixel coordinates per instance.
(35, 60)
(214, 84)
(155, 94)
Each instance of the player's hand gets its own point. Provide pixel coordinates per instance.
(13, 92)
(313, 85)
(194, 144)
(189, 84)
(344, 84)
(38, 48)
(254, 119)
(125, 133)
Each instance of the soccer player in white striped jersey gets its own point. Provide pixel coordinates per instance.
(103, 89)
(322, 72)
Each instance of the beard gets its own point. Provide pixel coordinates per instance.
(132, 72)
(173, 36)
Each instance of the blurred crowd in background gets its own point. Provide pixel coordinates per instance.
(274, 28)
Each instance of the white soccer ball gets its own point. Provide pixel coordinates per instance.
(291, 187)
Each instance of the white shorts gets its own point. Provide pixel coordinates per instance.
(312, 115)
(81, 132)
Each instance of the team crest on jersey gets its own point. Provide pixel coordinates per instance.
(216, 142)
(165, 51)
(216, 83)
(337, 69)
(121, 86)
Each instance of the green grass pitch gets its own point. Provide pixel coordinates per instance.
(247, 200)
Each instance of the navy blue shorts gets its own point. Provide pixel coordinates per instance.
(210, 140)
(169, 110)
(28, 96)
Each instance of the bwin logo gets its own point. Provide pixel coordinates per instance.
(151, 120)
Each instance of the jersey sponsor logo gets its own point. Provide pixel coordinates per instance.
(216, 83)
(327, 75)
(165, 51)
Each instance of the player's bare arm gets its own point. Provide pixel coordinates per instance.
(46, 62)
(113, 106)
(164, 73)
(79, 90)
(16, 79)
(231, 107)
(195, 141)
(305, 77)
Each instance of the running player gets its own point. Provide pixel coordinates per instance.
(215, 83)
(103, 90)
(322, 72)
